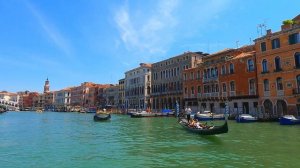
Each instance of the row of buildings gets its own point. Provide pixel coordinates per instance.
(262, 79)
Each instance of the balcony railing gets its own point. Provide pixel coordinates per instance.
(252, 92)
(280, 92)
(232, 93)
(215, 78)
(278, 70)
(266, 93)
(296, 91)
(264, 72)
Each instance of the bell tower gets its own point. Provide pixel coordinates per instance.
(46, 86)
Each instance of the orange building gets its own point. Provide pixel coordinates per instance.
(228, 76)
(278, 69)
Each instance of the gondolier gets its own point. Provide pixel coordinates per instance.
(188, 112)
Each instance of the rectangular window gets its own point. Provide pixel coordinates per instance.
(263, 46)
(294, 38)
(199, 89)
(232, 86)
(235, 105)
(275, 43)
(224, 87)
(255, 104)
(198, 74)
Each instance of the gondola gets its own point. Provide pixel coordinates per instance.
(102, 117)
(205, 131)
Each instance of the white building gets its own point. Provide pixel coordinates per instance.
(62, 99)
(137, 87)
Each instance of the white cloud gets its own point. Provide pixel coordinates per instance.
(52, 32)
(154, 31)
(148, 36)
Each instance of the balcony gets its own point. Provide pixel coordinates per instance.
(211, 79)
(265, 72)
(252, 92)
(199, 95)
(215, 94)
(224, 94)
(266, 93)
(278, 70)
(280, 92)
(232, 93)
(206, 95)
(296, 91)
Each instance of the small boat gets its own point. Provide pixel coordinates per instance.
(288, 120)
(102, 117)
(141, 114)
(245, 118)
(2, 111)
(211, 130)
(207, 116)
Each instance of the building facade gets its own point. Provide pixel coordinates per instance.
(137, 87)
(167, 82)
(226, 77)
(111, 95)
(122, 94)
(27, 100)
(278, 70)
(62, 100)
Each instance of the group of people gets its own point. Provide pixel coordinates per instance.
(194, 123)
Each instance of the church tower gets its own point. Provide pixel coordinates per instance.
(46, 86)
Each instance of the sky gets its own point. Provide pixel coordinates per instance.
(71, 42)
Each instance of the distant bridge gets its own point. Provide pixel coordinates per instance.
(9, 105)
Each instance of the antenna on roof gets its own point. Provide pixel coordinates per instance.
(237, 44)
(260, 28)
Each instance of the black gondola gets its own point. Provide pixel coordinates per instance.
(101, 117)
(205, 131)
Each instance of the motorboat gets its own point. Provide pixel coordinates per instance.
(207, 115)
(288, 120)
(245, 118)
(102, 116)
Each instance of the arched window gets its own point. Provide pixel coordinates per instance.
(277, 64)
(232, 86)
(205, 74)
(264, 66)
(279, 83)
(216, 71)
(231, 68)
(223, 70)
(298, 83)
(224, 87)
(266, 85)
(250, 65)
(252, 86)
(297, 60)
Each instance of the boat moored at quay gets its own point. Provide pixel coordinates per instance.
(289, 120)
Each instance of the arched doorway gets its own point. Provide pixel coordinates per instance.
(281, 107)
(268, 108)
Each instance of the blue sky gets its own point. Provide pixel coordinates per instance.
(71, 42)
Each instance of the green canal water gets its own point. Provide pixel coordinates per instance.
(50, 139)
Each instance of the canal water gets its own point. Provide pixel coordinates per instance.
(51, 139)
